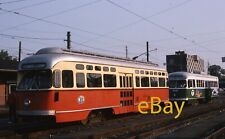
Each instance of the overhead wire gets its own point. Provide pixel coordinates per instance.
(38, 31)
(105, 50)
(190, 35)
(160, 12)
(31, 5)
(139, 20)
(59, 24)
(33, 41)
(46, 21)
(43, 20)
(26, 37)
(86, 45)
(159, 26)
(9, 2)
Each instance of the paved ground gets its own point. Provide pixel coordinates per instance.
(198, 129)
(4, 112)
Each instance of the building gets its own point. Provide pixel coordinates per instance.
(184, 62)
(8, 75)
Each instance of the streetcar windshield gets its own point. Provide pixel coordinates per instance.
(177, 83)
(35, 80)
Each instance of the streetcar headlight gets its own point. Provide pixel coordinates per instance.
(26, 102)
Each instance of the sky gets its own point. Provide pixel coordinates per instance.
(108, 26)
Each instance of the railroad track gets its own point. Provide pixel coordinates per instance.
(134, 126)
(151, 129)
(146, 126)
(166, 131)
(220, 133)
(10, 130)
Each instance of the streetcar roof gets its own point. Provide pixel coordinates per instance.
(186, 75)
(47, 58)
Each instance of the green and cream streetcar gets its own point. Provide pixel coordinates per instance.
(189, 86)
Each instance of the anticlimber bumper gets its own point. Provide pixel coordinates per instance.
(36, 112)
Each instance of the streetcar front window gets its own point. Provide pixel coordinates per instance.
(177, 83)
(35, 80)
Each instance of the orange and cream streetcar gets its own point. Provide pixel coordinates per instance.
(75, 86)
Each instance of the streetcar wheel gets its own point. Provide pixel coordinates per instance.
(93, 118)
(84, 122)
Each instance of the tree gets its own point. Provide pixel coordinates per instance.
(223, 71)
(4, 55)
(216, 70)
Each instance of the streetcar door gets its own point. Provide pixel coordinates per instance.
(126, 92)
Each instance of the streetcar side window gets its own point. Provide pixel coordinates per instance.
(177, 84)
(167, 82)
(162, 82)
(198, 85)
(112, 69)
(127, 82)
(137, 81)
(79, 66)
(80, 80)
(105, 68)
(193, 83)
(109, 80)
(151, 72)
(202, 83)
(154, 82)
(67, 78)
(98, 68)
(136, 71)
(144, 81)
(207, 84)
(94, 80)
(131, 81)
(190, 83)
(121, 81)
(124, 81)
(57, 78)
(89, 67)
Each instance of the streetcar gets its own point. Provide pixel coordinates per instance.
(185, 86)
(75, 86)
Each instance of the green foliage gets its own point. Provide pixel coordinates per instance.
(4, 55)
(216, 70)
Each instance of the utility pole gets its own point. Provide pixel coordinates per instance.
(126, 53)
(147, 52)
(68, 40)
(19, 51)
(208, 65)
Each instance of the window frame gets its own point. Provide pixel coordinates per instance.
(70, 77)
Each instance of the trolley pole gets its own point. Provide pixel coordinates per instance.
(68, 40)
(19, 51)
(147, 52)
